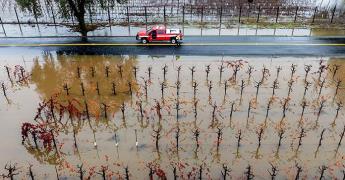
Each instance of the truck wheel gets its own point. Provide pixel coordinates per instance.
(173, 41)
(144, 41)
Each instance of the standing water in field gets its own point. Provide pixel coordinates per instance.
(330, 3)
(141, 117)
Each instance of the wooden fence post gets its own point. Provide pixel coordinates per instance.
(277, 14)
(239, 17)
(178, 6)
(15, 10)
(258, 17)
(201, 20)
(315, 10)
(146, 17)
(191, 13)
(51, 7)
(202, 15)
(164, 16)
(90, 14)
(35, 14)
(2, 25)
(183, 18)
(296, 12)
(127, 12)
(109, 16)
(220, 19)
(333, 12)
(128, 21)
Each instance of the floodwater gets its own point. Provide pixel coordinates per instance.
(235, 30)
(107, 138)
(330, 4)
(192, 19)
(33, 31)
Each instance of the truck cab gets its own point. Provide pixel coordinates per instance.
(160, 34)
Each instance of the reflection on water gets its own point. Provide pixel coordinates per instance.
(198, 116)
(97, 76)
(327, 32)
(101, 82)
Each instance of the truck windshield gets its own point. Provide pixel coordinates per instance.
(149, 29)
(161, 31)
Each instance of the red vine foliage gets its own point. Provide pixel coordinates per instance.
(45, 116)
(41, 131)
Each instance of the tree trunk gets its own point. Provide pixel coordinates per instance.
(78, 9)
(82, 27)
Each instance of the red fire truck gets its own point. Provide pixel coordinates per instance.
(160, 34)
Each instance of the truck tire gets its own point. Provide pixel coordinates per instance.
(144, 41)
(173, 41)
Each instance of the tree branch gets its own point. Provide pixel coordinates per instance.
(73, 7)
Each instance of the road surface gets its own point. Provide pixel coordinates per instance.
(192, 45)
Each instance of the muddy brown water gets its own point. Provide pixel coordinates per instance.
(48, 72)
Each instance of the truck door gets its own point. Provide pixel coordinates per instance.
(161, 35)
(154, 35)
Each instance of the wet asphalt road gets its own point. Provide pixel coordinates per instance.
(193, 45)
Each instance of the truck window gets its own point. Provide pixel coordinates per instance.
(154, 34)
(173, 31)
(161, 31)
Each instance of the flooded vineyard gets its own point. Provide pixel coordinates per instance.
(171, 117)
